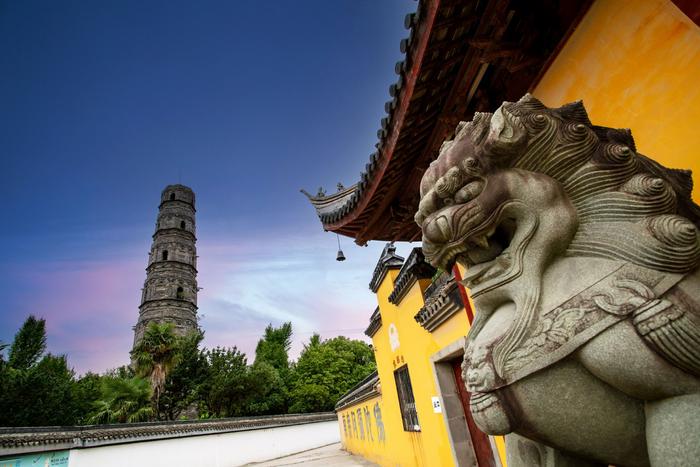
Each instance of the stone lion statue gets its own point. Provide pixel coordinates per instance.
(582, 261)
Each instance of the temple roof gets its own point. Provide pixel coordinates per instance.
(330, 207)
(375, 322)
(387, 260)
(365, 389)
(414, 268)
(460, 57)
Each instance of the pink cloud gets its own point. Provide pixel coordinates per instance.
(284, 277)
(248, 282)
(89, 307)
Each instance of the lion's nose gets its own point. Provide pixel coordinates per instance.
(427, 205)
(438, 230)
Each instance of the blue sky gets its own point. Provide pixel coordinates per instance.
(104, 103)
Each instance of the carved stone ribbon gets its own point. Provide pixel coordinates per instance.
(559, 331)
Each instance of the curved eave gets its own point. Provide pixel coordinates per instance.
(332, 207)
(346, 221)
(461, 57)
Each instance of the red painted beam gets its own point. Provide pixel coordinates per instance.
(691, 8)
(463, 294)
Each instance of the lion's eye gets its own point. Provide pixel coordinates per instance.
(448, 201)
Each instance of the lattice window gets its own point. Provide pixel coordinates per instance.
(407, 403)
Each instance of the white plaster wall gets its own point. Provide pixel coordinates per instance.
(218, 450)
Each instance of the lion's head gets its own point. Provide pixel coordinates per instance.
(527, 183)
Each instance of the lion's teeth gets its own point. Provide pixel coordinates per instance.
(481, 241)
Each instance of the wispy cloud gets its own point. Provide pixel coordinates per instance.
(275, 278)
(248, 282)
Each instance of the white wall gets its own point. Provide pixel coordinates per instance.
(217, 450)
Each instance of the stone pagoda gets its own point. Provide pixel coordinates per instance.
(170, 290)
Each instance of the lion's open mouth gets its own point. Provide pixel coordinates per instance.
(488, 256)
(486, 247)
(485, 251)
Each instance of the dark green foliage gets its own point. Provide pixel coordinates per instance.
(86, 390)
(311, 397)
(235, 389)
(183, 385)
(327, 370)
(314, 341)
(38, 389)
(41, 395)
(29, 344)
(226, 390)
(270, 372)
(122, 400)
(274, 346)
(268, 390)
(155, 356)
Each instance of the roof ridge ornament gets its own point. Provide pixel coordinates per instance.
(387, 260)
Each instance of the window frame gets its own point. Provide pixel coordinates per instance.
(407, 401)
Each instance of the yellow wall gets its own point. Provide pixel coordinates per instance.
(635, 64)
(430, 446)
(367, 439)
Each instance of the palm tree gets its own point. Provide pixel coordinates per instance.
(155, 355)
(122, 400)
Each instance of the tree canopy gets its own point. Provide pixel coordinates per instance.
(37, 388)
(274, 346)
(174, 377)
(29, 344)
(183, 384)
(155, 355)
(326, 370)
(122, 400)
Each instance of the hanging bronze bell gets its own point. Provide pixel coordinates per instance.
(341, 256)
